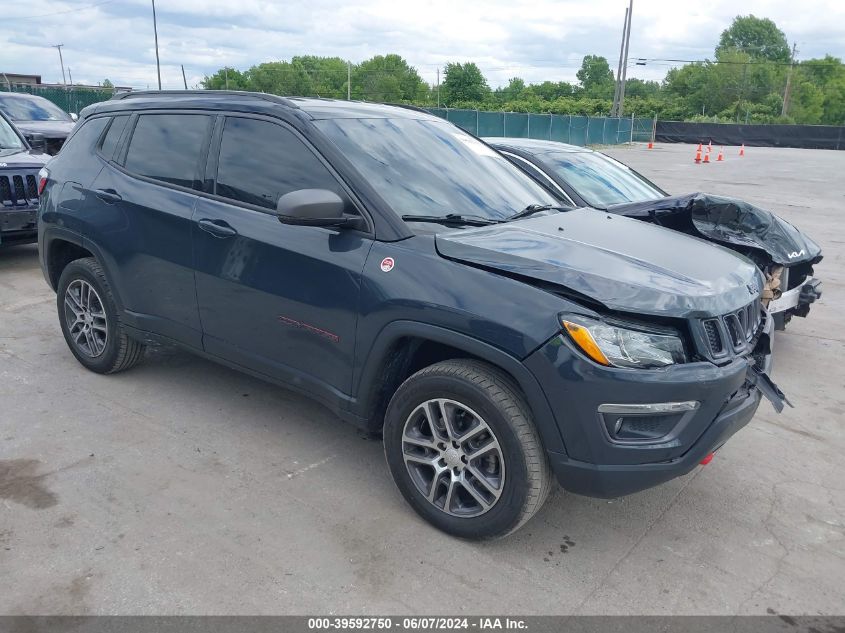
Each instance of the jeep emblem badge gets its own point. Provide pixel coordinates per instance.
(387, 264)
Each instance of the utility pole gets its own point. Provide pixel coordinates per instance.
(615, 107)
(70, 76)
(349, 81)
(155, 33)
(621, 106)
(785, 108)
(226, 73)
(184, 81)
(438, 86)
(61, 61)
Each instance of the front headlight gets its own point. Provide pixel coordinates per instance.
(615, 345)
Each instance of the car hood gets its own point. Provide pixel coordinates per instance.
(624, 264)
(22, 158)
(50, 129)
(734, 222)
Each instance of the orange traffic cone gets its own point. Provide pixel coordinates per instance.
(706, 157)
(699, 147)
(709, 147)
(742, 150)
(650, 145)
(698, 156)
(720, 158)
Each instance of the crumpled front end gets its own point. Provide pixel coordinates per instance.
(784, 254)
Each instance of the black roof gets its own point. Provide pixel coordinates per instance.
(258, 102)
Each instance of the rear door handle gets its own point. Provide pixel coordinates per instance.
(108, 195)
(218, 228)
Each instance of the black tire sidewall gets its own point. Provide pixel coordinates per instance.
(82, 269)
(508, 510)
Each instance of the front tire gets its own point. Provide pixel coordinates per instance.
(90, 320)
(463, 450)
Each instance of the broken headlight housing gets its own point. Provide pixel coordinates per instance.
(617, 344)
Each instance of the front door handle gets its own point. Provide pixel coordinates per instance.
(218, 228)
(108, 195)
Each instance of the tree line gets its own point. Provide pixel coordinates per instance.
(752, 72)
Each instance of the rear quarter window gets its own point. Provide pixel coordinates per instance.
(112, 136)
(81, 143)
(168, 147)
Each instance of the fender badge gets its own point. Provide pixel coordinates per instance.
(387, 264)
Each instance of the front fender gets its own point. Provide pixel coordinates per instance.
(371, 374)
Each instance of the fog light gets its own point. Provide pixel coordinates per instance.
(645, 423)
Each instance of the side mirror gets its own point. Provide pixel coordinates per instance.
(74, 116)
(37, 141)
(314, 207)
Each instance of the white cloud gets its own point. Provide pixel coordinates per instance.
(537, 39)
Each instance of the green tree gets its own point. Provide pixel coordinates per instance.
(107, 84)
(463, 82)
(387, 78)
(641, 88)
(758, 37)
(327, 75)
(596, 77)
(551, 90)
(226, 77)
(806, 102)
(280, 78)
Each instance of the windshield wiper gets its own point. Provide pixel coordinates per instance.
(531, 209)
(452, 218)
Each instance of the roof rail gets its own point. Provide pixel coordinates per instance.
(206, 93)
(408, 106)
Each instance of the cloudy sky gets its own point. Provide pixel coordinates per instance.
(533, 39)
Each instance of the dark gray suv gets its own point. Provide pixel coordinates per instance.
(409, 277)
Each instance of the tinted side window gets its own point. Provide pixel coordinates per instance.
(109, 142)
(79, 147)
(261, 161)
(167, 147)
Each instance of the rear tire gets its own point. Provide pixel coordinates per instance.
(90, 320)
(463, 450)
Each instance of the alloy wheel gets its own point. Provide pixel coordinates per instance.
(453, 457)
(85, 317)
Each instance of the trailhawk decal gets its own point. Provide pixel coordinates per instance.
(387, 264)
(334, 338)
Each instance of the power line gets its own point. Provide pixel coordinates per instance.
(74, 10)
(725, 61)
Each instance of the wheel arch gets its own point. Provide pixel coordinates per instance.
(404, 347)
(61, 247)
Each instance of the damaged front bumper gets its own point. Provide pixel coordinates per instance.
(797, 301)
(686, 412)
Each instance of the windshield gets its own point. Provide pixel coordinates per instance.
(599, 179)
(433, 168)
(8, 138)
(32, 108)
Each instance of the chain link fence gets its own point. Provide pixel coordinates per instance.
(565, 128)
(68, 99)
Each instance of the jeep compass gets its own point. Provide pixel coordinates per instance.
(408, 276)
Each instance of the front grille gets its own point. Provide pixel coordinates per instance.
(734, 331)
(19, 190)
(714, 338)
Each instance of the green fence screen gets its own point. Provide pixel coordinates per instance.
(565, 128)
(68, 99)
